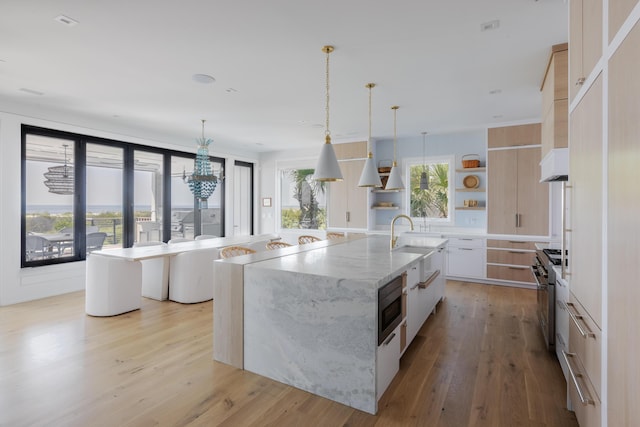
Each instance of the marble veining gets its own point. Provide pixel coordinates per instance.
(310, 318)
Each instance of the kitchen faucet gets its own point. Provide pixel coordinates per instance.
(393, 228)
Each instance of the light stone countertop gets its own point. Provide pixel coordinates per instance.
(367, 260)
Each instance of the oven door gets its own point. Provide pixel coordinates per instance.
(389, 308)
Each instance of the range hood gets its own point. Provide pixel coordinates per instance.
(555, 165)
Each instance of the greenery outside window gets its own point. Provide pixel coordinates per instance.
(303, 200)
(432, 205)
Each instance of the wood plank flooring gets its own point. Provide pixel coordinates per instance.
(479, 361)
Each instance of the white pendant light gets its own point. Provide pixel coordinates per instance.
(370, 177)
(424, 176)
(395, 179)
(327, 168)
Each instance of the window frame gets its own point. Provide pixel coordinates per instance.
(430, 160)
(80, 142)
(305, 163)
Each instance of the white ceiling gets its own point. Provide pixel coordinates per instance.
(127, 66)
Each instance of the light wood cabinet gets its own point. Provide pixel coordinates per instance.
(586, 201)
(555, 106)
(585, 36)
(347, 203)
(618, 12)
(511, 136)
(623, 230)
(510, 260)
(517, 202)
(351, 150)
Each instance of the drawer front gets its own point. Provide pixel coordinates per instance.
(513, 274)
(510, 257)
(588, 412)
(585, 340)
(463, 242)
(511, 244)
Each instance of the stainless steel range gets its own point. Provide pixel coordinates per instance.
(546, 279)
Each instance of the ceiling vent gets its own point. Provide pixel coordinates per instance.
(491, 25)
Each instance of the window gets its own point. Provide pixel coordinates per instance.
(82, 194)
(432, 204)
(302, 200)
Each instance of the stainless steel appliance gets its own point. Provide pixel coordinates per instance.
(389, 308)
(545, 276)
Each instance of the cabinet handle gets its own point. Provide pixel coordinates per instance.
(465, 239)
(388, 341)
(574, 378)
(348, 215)
(519, 268)
(516, 241)
(516, 252)
(465, 249)
(580, 81)
(431, 278)
(560, 340)
(517, 220)
(575, 317)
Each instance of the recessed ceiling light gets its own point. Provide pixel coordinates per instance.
(497, 116)
(31, 91)
(230, 90)
(491, 25)
(495, 91)
(203, 78)
(63, 19)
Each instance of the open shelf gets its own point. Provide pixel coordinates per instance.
(385, 207)
(463, 170)
(471, 190)
(382, 190)
(477, 208)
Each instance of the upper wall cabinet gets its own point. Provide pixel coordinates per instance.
(347, 205)
(555, 106)
(585, 33)
(350, 151)
(513, 136)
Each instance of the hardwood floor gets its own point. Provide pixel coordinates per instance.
(479, 361)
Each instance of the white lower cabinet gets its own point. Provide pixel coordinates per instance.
(414, 317)
(466, 258)
(387, 361)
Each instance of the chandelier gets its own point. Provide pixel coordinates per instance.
(60, 179)
(202, 182)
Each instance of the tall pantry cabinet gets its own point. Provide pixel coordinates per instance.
(604, 232)
(347, 203)
(517, 202)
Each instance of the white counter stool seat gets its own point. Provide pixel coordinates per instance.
(179, 240)
(206, 236)
(155, 274)
(191, 276)
(113, 286)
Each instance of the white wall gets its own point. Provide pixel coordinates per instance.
(22, 284)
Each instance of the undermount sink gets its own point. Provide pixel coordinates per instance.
(413, 249)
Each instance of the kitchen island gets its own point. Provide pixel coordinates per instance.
(310, 315)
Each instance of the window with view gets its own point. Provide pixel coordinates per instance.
(431, 204)
(303, 200)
